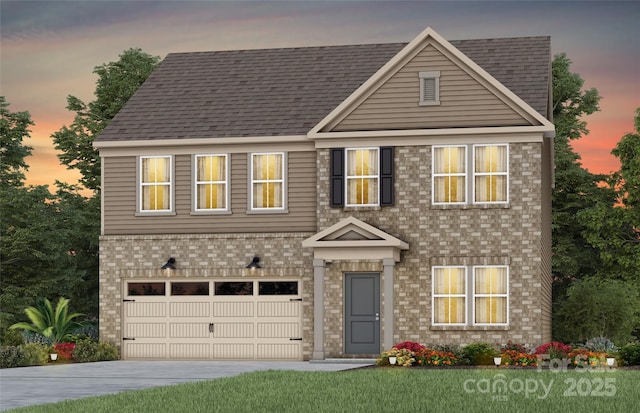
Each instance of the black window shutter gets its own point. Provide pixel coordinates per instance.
(386, 176)
(337, 177)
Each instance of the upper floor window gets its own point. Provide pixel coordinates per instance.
(155, 183)
(362, 176)
(267, 181)
(490, 174)
(429, 88)
(449, 175)
(484, 180)
(211, 182)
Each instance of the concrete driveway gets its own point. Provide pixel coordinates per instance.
(26, 386)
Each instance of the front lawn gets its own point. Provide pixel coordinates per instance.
(390, 389)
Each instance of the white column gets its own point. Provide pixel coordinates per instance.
(318, 310)
(388, 265)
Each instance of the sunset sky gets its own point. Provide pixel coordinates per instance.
(50, 48)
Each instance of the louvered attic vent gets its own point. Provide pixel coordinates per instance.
(429, 88)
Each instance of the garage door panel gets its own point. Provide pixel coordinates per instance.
(233, 330)
(279, 309)
(145, 330)
(189, 330)
(278, 330)
(195, 309)
(233, 351)
(279, 351)
(190, 351)
(146, 350)
(145, 309)
(233, 309)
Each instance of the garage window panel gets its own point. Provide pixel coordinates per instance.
(190, 288)
(278, 288)
(234, 288)
(150, 288)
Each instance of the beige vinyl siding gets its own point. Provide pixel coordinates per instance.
(120, 186)
(464, 102)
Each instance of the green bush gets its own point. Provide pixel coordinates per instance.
(630, 354)
(88, 351)
(12, 356)
(11, 338)
(479, 354)
(35, 354)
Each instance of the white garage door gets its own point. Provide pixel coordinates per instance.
(212, 319)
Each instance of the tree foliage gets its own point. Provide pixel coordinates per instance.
(575, 187)
(14, 127)
(117, 82)
(49, 241)
(613, 227)
(596, 307)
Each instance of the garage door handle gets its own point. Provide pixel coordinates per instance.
(295, 339)
(128, 339)
(211, 327)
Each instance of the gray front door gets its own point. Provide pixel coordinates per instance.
(362, 313)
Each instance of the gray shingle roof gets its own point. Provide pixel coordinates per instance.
(269, 92)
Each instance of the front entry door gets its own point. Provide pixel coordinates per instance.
(362, 313)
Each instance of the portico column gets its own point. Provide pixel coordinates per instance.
(318, 310)
(388, 265)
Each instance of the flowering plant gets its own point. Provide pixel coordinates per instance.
(64, 350)
(428, 357)
(404, 357)
(518, 358)
(409, 345)
(520, 348)
(554, 349)
(582, 357)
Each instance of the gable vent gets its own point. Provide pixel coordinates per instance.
(429, 88)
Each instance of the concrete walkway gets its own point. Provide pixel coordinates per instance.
(26, 386)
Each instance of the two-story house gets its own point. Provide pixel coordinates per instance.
(321, 202)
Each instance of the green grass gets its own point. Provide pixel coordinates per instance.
(379, 390)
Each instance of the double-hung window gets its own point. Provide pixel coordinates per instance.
(211, 180)
(362, 176)
(483, 298)
(156, 175)
(267, 181)
(490, 173)
(449, 175)
(484, 180)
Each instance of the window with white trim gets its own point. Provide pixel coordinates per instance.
(267, 181)
(490, 295)
(490, 173)
(156, 175)
(449, 175)
(429, 88)
(476, 296)
(211, 183)
(362, 177)
(449, 295)
(455, 180)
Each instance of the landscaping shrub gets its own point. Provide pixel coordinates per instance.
(511, 346)
(35, 354)
(31, 337)
(518, 358)
(11, 338)
(64, 351)
(89, 350)
(409, 345)
(404, 357)
(12, 356)
(479, 354)
(429, 357)
(601, 344)
(554, 349)
(630, 354)
(584, 357)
